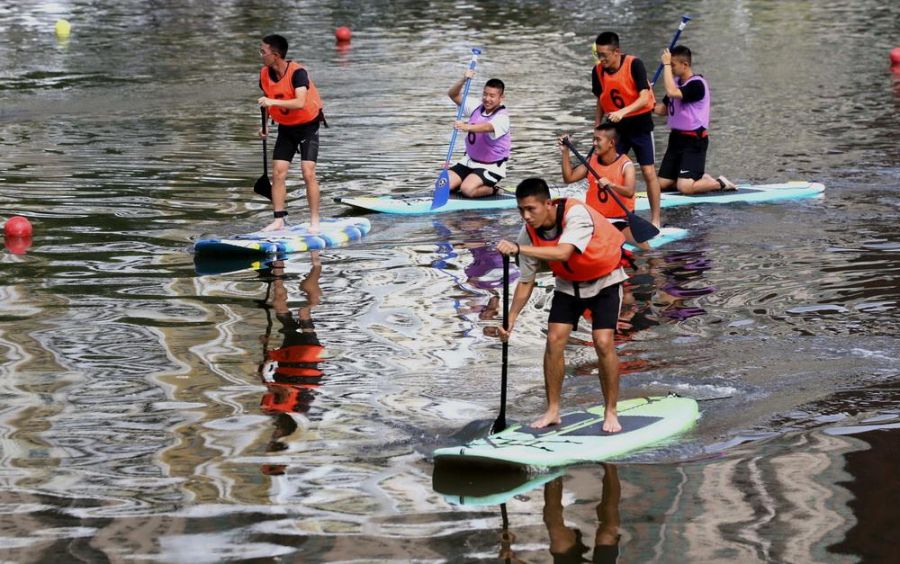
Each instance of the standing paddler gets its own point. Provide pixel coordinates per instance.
(624, 95)
(294, 103)
(584, 252)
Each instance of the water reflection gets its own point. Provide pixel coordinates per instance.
(291, 371)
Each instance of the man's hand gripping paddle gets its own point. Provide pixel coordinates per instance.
(684, 21)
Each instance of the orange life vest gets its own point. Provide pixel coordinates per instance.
(599, 198)
(602, 255)
(619, 89)
(283, 89)
(281, 399)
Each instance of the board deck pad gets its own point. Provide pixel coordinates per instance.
(579, 438)
(629, 423)
(746, 193)
(294, 239)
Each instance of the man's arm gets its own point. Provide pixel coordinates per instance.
(455, 92)
(297, 103)
(570, 174)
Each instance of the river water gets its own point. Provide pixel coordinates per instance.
(136, 420)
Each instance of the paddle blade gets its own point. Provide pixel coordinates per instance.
(641, 229)
(441, 190)
(263, 187)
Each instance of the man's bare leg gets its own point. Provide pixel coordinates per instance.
(653, 191)
(279, 193)
(554, 370)
(474, 187)
(604, 344)
(312, 193)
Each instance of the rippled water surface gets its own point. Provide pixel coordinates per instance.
(139, 417)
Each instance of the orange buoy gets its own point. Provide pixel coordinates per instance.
(342, 34)
(17, 226)
(895, 56)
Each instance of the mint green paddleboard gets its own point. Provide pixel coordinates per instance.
(579, 438)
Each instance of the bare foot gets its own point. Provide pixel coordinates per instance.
(314, 226)
(276, 225)
(611, 422)
(656, 222)
(549, 418)
(727, 184)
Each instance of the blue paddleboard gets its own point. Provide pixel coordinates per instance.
(421, 204)
(294, 239)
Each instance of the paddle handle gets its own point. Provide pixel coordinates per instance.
(462, 106)
(684, 20)
(262, 114)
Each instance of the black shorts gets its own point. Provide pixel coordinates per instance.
(642, 143)
(604, 308)
(291, 138)
(486, 176)
(685, 157)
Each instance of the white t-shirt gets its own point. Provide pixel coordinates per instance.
(578, 231)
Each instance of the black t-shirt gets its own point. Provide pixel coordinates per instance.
(641, 123)
(693, 91)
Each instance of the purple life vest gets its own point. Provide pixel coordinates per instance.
(480, 147)
(691, 116)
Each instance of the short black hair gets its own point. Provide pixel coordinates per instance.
(533, 187)
(278, 44)
(495, 83)
(609, 129)
(608, 38)
(682, 52)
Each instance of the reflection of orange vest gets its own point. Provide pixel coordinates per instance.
(599, 198)
(602, 254)
(283, 89)
(297, 353)
(619, 89)
(283, 398)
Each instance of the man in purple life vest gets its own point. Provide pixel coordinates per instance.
(687, 105)
(487, 140)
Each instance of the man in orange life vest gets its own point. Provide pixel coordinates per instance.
(619, 82)
(687, 106)
(584, 252)
(294, 103)
(616, 174)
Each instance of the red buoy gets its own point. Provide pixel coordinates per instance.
(895, 56)
(17, 226)
(342, 34)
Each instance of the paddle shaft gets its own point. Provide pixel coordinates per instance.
(262, 114)
(462, 108)
(500, 422)
(681, 26)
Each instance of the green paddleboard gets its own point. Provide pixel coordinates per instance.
(578, 439)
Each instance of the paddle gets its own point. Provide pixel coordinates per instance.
(500, 422)
(641, 229)
(684, 21)
(263, 187)
(442, 184)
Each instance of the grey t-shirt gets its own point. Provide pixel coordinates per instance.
(578, 231)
